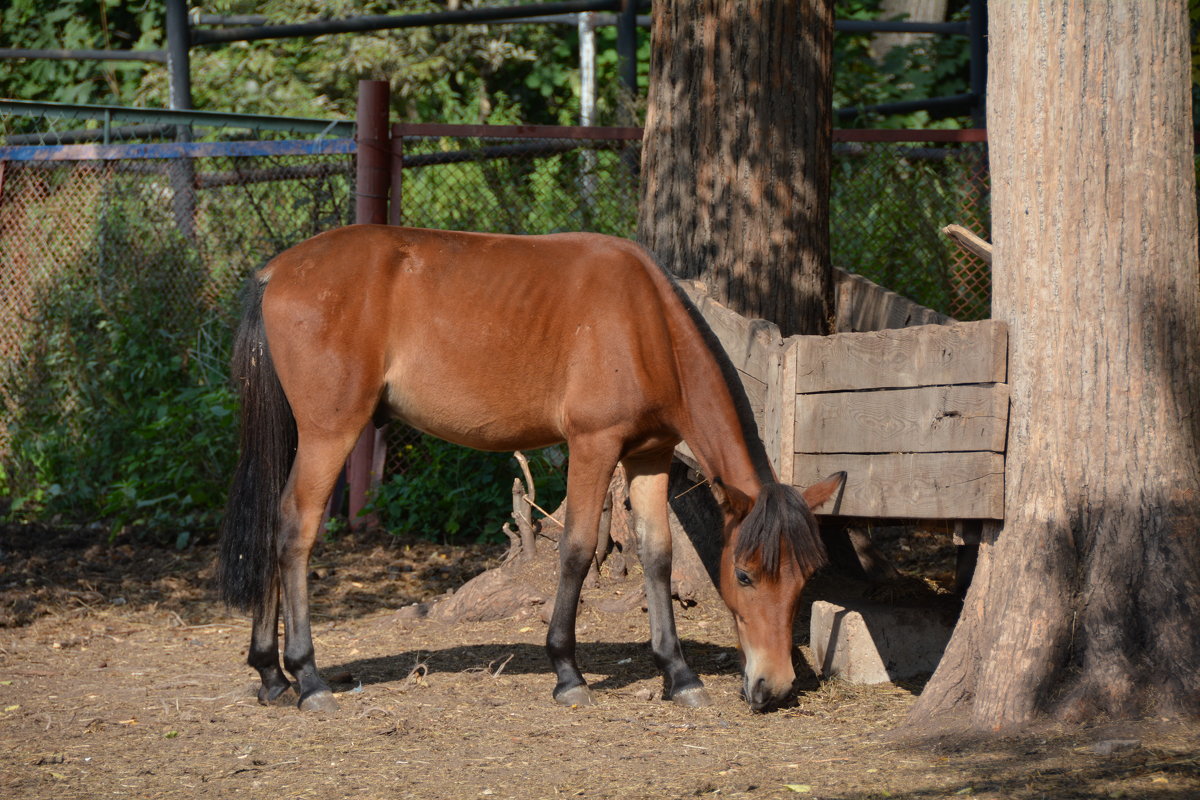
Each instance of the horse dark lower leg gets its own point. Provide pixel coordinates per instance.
(648, 478)
(587, 484)
(304, 500)
(299, 656)
(264, 648)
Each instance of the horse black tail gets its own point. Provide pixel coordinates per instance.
(248, 561)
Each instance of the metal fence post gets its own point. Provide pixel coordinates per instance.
(182, 173)
(979, 49)
(627, 45)
(372, 179)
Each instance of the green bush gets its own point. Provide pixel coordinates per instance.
(450, 492)
(118, 408)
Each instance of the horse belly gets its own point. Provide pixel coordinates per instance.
(473, 407)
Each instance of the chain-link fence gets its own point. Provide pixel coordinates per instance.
(520, 185)
(92, 231)
(95, 235)
(888, 204)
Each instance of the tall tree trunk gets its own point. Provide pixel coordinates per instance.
(908, 11)
(736, 154)
(1087, 603)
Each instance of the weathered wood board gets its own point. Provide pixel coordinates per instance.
(751, 344)
(923, 419)
(865, 306)
(910, 485)
(925, 355)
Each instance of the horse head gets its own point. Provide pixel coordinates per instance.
(771, 549)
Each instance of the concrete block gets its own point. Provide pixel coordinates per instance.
(870, 643)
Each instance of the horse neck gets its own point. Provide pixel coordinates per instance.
(721, 435)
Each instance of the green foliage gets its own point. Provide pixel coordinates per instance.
(83, 25)
(447, 73)
(523, 195)
(932, 66)
(877, 235)
(119, 409)
(450, 492)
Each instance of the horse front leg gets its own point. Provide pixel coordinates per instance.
(264, 648)
(648, 477)
(588, 477)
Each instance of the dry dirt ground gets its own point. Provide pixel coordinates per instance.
(121, 677)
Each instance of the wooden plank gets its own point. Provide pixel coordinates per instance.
(927, 355)
(926, 419)
(779, 411)
(968, 242)
(756, 393)
(749, 343)
(865, 306)
(911, 485)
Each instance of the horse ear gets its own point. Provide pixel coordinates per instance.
(732, 502)
(818, 493)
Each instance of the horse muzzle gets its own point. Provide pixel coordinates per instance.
(764, 697)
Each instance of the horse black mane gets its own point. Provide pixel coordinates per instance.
(741, 403)
(781, 514)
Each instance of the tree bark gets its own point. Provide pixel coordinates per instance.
(1087, 602)
(909, 11)
(736, 154)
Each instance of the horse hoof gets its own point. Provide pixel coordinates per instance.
(575, 696)
(321, 700)
(696, 697)
(277, 695)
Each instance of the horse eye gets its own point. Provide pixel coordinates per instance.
(742, 577)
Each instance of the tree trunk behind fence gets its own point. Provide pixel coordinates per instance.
(736, 154)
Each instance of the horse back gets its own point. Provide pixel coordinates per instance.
(493, 341)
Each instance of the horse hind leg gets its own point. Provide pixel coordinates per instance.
(318, 460)
(648, 477)
(264, 649)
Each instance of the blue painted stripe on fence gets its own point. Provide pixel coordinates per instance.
(116, 152)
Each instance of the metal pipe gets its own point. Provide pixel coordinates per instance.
(159, 56)
(183, 176)
(216, 119)
(627, 45)
(104, 134)
(373, 165)
(587, 69)
(396, 201)
(228, 20)
(599, 20)
(178, 61)
(376, 22)
(979, 56)
(882, 26)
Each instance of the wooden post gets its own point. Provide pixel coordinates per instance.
(372, 179)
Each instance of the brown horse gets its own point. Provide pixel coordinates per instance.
(438, 329)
